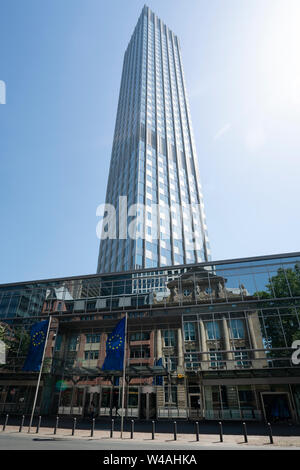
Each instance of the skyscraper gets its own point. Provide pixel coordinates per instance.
(153, 162)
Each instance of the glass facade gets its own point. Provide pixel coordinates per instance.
(208, 341)
(153, 161)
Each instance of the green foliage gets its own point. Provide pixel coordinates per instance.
(16, 339)
(280, 288)
(2, 332)
(279, 283)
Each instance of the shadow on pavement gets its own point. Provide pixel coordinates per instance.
(183, 427)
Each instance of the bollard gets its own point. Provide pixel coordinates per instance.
(22, 424)
(93, 427)
(221, 431)
(153, 430)
(74, 426)
(270, 433)
(197, 431)
(132, 429)
(245, 432)
(112, 428)
(56, 424)
(175, 431)
(5, 423)
(38, 425)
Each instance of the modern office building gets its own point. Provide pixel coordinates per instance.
(205, 341)
(153, 160)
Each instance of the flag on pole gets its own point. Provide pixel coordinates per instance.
(38, 334)
(115, 348)
(158, 380)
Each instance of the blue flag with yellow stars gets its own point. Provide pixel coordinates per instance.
(115, 348)
(38, 335)
(158, 380)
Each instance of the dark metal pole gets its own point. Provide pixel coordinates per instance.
(132, 429)
(74, 426)
(245, 432)
(175, 431)
(38, 425)
(56, 424)
(112, 428)
(270, 433)
(22, 424)
(197, 431)
(153, 430)
(93, 427)
(5, 423)
(221, 431)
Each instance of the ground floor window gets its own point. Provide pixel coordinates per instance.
(133, 397)
(170, 395)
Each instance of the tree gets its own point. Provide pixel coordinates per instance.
(282, 331)
(17, 341)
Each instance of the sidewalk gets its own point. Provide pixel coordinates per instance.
(204, 439)
(206, 428)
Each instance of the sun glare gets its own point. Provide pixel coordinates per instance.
(280, 59)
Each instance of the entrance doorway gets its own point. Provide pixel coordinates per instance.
(148, 405)
(91, 405)
(195, 405)
(276, 407)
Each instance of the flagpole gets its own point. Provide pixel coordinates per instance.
(123, 380)
(39, 378)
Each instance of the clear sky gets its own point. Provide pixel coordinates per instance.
(61, 61)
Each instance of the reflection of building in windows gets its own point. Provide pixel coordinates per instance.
(207, 358)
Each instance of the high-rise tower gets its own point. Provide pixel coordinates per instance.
(153, 161)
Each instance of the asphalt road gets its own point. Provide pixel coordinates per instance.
(16, 441)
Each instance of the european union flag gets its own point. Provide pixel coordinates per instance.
(115, 348)
(38, 334)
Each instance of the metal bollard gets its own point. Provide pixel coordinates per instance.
(221, 431)
(132, 429)
(5, 423)
(22, 424)
(175, 431)
(38, 425)
(153, 430)
(245, 432)
(112, 428)
(56, 425)
(74, 426)
(197, 431)
(270, 433)
(93, 427)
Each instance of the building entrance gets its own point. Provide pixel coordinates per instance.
(147, 406)
(91, 405)
(195, 405)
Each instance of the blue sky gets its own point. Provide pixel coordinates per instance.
(61, 61)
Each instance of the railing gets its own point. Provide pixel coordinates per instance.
(129, 412)
(232, 414)
(103, 411)
(193, 414)
(70, 410)
(18, 409)
(172, 413)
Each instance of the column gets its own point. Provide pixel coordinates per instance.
(203, 344)
(252, 337)
(229, 355)
(158, 344)
(180, 349)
